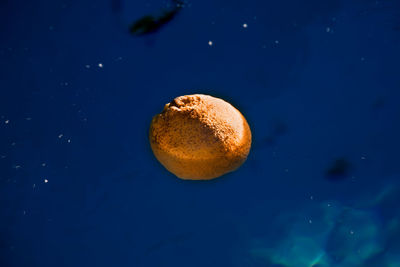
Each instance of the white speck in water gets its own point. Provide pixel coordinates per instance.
(7, 121)
(210, 43)
(69, 140)
(46, 181)
(24, 212)
(100, 65)
(17, 167)
(244, 25)
(60, 136)
(310, 221)
(362, 157)
(87, 66)
(328, 204)
(28, 118)
(312, 197)
(351, 232)
(33, 186)
(277, 41)
(44, 164)
(328, 29)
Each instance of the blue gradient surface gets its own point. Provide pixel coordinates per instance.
(316, 80)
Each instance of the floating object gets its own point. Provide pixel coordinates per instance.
(200, 137)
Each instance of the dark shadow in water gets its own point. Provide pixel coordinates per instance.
(339, 170)
(149, 24)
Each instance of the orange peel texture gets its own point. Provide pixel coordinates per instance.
(200, 137)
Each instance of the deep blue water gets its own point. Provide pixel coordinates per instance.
(317, 81)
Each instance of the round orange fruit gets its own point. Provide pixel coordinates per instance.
(200, 137)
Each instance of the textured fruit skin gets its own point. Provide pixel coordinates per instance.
(200, 137)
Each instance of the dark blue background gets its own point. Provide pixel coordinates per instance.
(316, 80)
